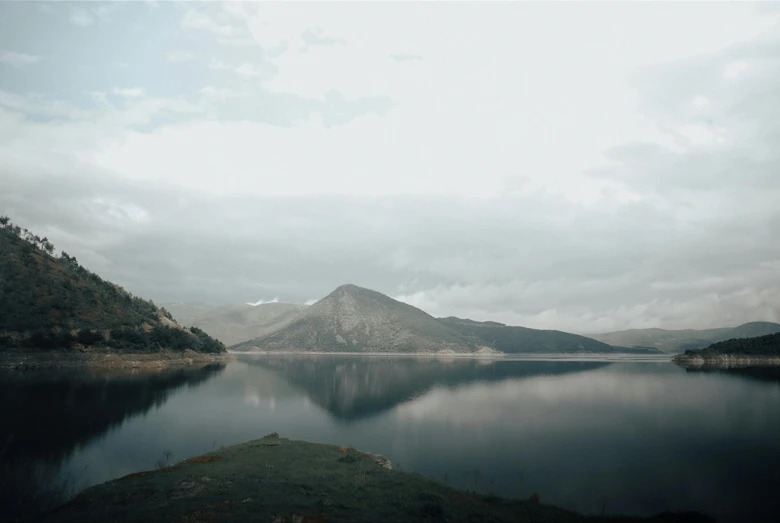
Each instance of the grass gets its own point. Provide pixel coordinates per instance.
(275, 479)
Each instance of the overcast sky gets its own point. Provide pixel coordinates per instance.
(586, 167)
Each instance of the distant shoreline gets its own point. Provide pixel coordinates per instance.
(468, 355)
(157, 360)
(725, 361)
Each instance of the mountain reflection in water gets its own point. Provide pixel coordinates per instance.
(353, 388)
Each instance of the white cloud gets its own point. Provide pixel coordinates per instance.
(244, 69)
(18, 59)
(514, 176)
(261, 302)
(181, 56)
(81, 18)
(129, 92)
(194, 19)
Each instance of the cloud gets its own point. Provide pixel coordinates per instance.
(81, 18)
(87, 16)
(596, 187)
(180, 56)
(245, 69)
(261, 302)
(406, 57)
(18, 59)
(46, 9)
(195, 19)
(129, 92)
(314, 36)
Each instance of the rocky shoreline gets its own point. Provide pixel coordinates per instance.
(105, 359)
(725, 361)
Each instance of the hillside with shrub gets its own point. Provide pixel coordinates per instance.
(768, 345)
(50, 302)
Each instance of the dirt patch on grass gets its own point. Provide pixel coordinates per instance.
(203, 459)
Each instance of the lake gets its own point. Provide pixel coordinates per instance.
(631, 437)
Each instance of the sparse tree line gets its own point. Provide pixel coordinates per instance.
(50, 302)
(768, 345)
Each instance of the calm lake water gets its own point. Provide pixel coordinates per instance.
(624, 437)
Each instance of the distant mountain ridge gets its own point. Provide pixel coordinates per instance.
(236, 323)
(676, 341)
(514, 340)
(354, 319)
(50, 302)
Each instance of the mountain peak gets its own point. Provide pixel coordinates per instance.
(356, 319)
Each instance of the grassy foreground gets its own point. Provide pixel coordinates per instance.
(276, 480)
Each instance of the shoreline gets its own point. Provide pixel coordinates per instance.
(501, 356)
(10, 361)
(725, 361)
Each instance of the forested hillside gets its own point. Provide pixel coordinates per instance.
(51, 302)
(768, 345)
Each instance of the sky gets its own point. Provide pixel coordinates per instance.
(579, 166)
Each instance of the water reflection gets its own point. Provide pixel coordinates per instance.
(633, 438)
(353, 388)
(770, 374)
(48, 414)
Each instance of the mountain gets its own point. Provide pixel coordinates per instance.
(510, 339)
(354, 319)
(50, 302)
(675, 341)
(232, 324)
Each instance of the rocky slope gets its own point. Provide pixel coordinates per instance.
(354, 319)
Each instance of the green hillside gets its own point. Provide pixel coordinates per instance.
(50, 302)
(768, 345)
(510, 339)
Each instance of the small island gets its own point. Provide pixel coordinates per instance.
(742, 352)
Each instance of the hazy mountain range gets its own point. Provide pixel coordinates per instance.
(354, 319)
(674, 341)
(236, 323)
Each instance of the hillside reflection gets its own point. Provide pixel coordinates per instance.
(758, 373)
(351, 388)
(47, 415)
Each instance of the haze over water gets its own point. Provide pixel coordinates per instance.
(623, 437)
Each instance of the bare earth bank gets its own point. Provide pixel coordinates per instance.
(105, 359)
